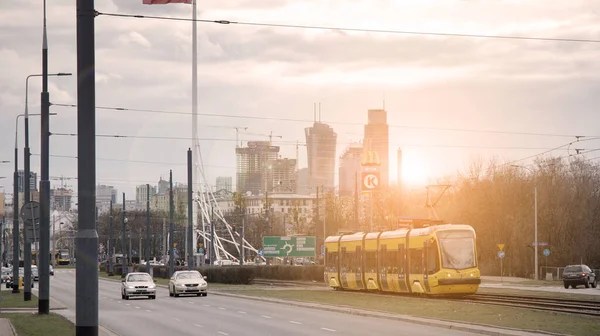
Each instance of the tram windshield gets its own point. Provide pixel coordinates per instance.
(457, 249)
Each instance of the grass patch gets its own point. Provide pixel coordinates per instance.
(10, 300)
(26, 324)
(534, 283)
(443, 309)
(508, 291)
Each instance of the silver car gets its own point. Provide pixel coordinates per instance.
(138, 284)
(188, 282)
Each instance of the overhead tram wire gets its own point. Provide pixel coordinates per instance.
(349, 29)
(108, 108)
(293, 143)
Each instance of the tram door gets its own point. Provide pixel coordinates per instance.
(401, 269)
(416, 269)
(383, 269)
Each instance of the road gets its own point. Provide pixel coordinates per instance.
(221, 315)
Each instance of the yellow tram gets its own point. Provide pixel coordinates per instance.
(433, 260)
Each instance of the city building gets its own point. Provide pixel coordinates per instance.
(303, 182)
(350, 170)
(376, 139)
(163, 186)
(61, 199)
(321, 154)
(141, 193)
(32, 180)
(281, 176)
(252, 164)
(2, 205)
(105, 194)
(224, 183)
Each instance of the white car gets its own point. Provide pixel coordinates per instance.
(188, 282)
(138, 284)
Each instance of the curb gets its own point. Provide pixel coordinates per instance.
(482, 329)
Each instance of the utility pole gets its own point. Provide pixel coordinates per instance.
(242, 252)
(53, 256)
(212, 235)
(16, 249)
(190, 242)
(147, 243)
(171, 227)
(27, 199)
(110, 235)
(123, 243)
(86, 285)
(268, 212)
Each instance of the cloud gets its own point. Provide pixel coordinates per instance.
(273, 72)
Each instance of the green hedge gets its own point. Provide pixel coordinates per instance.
(245, 274)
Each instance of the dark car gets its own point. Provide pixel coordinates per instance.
(575, 275)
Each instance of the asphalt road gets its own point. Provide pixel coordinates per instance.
(221, 315)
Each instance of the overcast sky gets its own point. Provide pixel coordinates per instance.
(429, 82)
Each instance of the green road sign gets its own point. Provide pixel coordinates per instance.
(303, 246)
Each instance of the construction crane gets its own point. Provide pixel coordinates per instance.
(62, 180)
(270, 135)
(237, 131)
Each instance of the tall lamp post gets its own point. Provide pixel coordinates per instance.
(535, 225)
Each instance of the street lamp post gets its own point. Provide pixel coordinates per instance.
(535, 225)
(27, 190)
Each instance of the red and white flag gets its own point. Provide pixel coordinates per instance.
(164, 2)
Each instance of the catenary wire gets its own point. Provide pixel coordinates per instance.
(108, 108)
(349, 29)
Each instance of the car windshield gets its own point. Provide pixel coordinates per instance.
(458, 249)
(139, 278)
(573, 269)
(189, 275)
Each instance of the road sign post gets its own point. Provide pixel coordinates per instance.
(501, 256)
(300, 246)
(546, 255)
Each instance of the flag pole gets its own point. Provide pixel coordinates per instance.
(194, 121)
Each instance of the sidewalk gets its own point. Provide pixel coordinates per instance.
(6, 329)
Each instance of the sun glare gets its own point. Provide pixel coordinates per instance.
(414, 172)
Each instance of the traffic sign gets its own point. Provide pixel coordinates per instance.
(30, 213)
(370, 181)
(546, 252)
(301, 246)
(501, 247)
(323, 250)
(260, 253)
(501, 254)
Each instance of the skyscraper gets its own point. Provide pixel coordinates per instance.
(350, 165)
(141, 193)
(252, 164)
(32, 181)
(377, 140)
(321, 148)
(224, 183)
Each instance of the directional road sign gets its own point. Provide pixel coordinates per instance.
(370, 181)
(30, 214)
(546, 252)
(302, 246)
(501, 254)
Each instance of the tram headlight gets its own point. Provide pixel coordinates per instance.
(471, 274)
(449, 275)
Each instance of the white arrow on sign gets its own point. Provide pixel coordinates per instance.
(370, 181)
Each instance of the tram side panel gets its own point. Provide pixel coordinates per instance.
(332, 262)
(370, 257)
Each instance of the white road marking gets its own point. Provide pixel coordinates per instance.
(327, 329)
(221, 308)
(294, 322)
(137, 307)
(127, 304)
(241, 312)
(148, 311)
(206, 305)
(265, 316)
(191, 302)
(176, 319)
(199, 326)
(223, 333)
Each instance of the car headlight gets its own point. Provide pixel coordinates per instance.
(204, 284)
(180, 285)
(152, 286)
(130, 287)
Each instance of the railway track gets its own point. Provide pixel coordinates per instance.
(570, 306)
(579, 307)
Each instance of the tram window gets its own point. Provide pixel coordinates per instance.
(344, 260)
(350, 262)
(371, 262)
(416, 261)
(400, 259)
(359, 259)
(332, 261)
(433, 264)
(383, 259)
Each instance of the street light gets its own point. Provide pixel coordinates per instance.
(535, 247)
